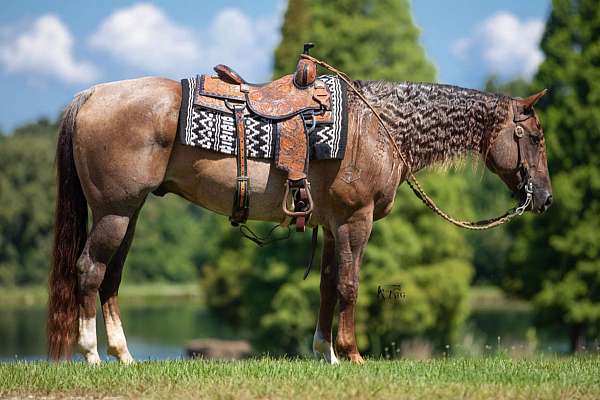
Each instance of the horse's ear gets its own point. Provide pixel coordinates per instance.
(530, 101)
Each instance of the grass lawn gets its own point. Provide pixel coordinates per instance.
(481, 378)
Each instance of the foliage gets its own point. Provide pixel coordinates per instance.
(448, 378)
(556, 259)
(172, 241)
(367, 39)
(27, 199)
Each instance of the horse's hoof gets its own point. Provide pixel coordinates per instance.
(92, 358)
(123, 356)
(126, 359)
(329, 358)
(322, 349)
(356, 359)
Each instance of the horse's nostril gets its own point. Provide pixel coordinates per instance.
(548, 202)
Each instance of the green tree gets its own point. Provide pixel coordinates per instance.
(293, 35)
(556, 258)
(27, 199)
(368, 39)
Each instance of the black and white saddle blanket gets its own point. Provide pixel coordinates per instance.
(212, 130)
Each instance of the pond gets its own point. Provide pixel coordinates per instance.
(159, 331)
(155, 331)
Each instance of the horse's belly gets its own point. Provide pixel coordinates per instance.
(208, 179)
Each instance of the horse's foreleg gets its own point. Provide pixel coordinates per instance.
(117, 344)
(351, 239)
(322, 339)
(105, 237)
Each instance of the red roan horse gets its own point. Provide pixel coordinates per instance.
(117, 144)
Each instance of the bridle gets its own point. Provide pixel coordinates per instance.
(526, 183)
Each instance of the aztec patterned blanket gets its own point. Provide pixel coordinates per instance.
(215, 131)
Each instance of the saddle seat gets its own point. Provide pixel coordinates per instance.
(279, 99)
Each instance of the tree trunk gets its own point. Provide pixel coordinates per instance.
(577, 337)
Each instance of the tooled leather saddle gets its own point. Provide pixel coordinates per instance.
(296, 102)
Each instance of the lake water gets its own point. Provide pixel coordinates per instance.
(160, 331)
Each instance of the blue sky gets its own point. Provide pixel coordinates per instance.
(49, 50)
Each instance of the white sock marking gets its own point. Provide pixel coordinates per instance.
(87, 343)
(117, 344)
(323, 349)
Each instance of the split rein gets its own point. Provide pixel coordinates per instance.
(416, 186)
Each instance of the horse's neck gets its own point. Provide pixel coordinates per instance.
(436, 124)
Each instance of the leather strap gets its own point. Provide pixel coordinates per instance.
(313, 248)
(241, 198)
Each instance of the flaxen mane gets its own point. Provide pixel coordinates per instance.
(436, 124)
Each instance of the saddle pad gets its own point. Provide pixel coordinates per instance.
(212, 130)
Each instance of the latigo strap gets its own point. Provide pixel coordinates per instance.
(241, 198)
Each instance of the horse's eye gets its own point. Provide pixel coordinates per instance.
(535, 139)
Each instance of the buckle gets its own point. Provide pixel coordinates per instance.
(519, 131)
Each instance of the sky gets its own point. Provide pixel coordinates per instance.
(51, 49)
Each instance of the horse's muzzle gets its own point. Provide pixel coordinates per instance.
(542, 201)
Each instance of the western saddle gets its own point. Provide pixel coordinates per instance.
(296, 102)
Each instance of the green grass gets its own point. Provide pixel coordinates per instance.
(542, 378)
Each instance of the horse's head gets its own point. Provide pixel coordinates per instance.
(518, 155)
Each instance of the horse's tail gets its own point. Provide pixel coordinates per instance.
(70, 234)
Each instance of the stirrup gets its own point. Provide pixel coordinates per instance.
(302, 201)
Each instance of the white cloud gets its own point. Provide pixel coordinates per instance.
(508, 46)
(46, 47)
(144, 37)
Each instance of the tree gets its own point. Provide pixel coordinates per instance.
(293, 35)
(556, 259)
(27, 198)
(367, 39)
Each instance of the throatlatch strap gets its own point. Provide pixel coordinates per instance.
(241, 199)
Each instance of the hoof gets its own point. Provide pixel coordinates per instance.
(123, 356)
(356, 359)
(323, 350)
(126, 359)
(92, 358)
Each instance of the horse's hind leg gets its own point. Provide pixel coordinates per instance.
(322, 339)
(107, 233)
(109, 289)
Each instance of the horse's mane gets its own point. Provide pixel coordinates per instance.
(434, 123)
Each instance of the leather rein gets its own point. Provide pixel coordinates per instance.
(525, 186)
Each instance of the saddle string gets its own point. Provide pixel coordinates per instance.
(412, 181)
(266, 240)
